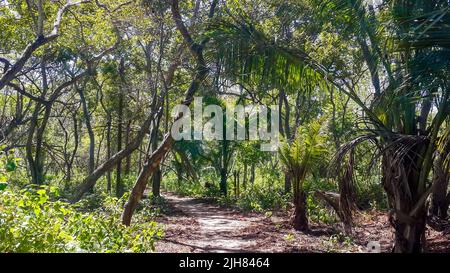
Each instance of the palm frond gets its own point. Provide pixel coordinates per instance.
(250, 58)
(306, 151)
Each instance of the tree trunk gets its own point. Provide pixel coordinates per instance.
(410, 236)
(119, 184)
(287, 183)
(441, 177)
(223, 181)
(158, 155)
(127, 141)
(224, 167)
(440, 200)
(109, 164)
(156, 183)
(300, 220)
(108, 152)
(74, 151)
(408, 217)
(29, 145)
(347, 195)
(287, 115)
(238, 182)
(244, 179)
(39, 158)
(87, 121)
(37, 163)
(156, 179)
(252, 173)
(147, 170)
(179, 175)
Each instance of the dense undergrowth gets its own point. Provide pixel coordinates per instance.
(267, 196)
(34, 219)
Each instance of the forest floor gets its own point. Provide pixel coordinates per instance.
(201, 225)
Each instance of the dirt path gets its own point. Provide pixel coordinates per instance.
(199, 225)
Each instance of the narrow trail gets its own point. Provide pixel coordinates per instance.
(199, 226)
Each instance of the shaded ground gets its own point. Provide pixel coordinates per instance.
(199, 225)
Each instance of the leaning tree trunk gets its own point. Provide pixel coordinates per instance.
(148, 169)
(159, 154)
(90, 181)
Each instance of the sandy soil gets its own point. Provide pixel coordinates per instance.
(199, 225)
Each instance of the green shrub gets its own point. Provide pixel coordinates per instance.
(318, 212)
(370, 195)
(192, 188)
(31, 222)
(257, 198)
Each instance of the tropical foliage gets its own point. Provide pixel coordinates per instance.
(87, 90)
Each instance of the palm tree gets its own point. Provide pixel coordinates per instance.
(407, 56)
(406, 115)
(299, 158)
